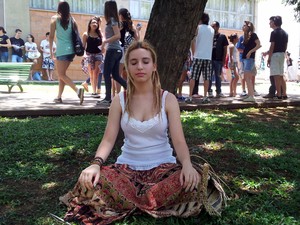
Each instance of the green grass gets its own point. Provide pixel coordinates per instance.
(255, 151)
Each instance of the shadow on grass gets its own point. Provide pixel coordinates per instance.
(256, 152)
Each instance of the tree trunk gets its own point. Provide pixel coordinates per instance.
(171, 28)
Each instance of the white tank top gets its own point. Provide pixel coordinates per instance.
(235, 54)
(146, 144)
(204, 42)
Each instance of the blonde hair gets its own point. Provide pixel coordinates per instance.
(154, 77)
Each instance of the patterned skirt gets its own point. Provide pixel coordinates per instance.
(122, 191)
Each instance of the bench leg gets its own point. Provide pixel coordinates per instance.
(10, 87)
(20, 86)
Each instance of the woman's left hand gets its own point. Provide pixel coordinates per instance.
(189, 177)
(248, 55)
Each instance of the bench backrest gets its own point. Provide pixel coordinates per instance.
(14, 72)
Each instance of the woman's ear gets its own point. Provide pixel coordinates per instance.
(154, 67)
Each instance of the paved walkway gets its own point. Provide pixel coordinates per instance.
(37, 100)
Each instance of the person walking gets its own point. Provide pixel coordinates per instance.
(92, 41)
(113, 53)
(219, 53)
(201, 46)
(146, 177)
(18, 46)
(61, 24)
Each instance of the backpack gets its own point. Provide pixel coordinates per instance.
(129, 38)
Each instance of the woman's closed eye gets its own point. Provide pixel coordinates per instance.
(135, 61)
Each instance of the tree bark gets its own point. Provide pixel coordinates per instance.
(170, 30)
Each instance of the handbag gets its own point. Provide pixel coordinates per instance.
(34, 55)
(77, 43)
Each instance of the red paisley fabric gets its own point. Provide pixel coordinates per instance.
(122, 191)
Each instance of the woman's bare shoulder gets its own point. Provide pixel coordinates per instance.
(54, 18)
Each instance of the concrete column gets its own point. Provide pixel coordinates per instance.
(16, 15)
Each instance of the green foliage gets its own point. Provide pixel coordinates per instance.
(296, 3)
(256, 152)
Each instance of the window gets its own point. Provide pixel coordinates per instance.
(230, 13)
(79, 6)
(141, 9)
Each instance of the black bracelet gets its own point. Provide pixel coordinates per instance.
(98, 161)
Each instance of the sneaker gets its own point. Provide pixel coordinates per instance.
(197, 96)
(205, 100)
(85, 86)
(256, 93)
(95, 95)
(58, 100)
(210, 94)
(188, 100)
(243, 94)
(180, 98)
(104, 102)
(268, 96)
(284, 97)
(249, 99)
(220, 95)
(276, 98)
(81, 95)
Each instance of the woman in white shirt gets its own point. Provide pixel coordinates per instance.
(32, 53)
(146, 176)
(233, 63)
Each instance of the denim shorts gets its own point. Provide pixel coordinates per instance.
(248, 65)
(69, 57)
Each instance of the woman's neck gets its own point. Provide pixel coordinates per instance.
(93, 33)
(144, 88)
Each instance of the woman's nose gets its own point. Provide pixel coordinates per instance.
(140, 65)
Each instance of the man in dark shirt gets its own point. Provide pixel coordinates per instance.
(218, 59)
(279, 40)
(17, 44)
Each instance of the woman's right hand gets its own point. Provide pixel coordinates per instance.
(89, 177)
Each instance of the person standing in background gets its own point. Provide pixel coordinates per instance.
(251, 43)
(129, 33)
(240, 47)
(61, 24)
(48, 63)
(233, 63)
(219, 53)
(291, 76)
(4, 45)
(17, 44)
(201, 46)
(278, 46)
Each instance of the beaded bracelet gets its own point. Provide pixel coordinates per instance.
(98, 161)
